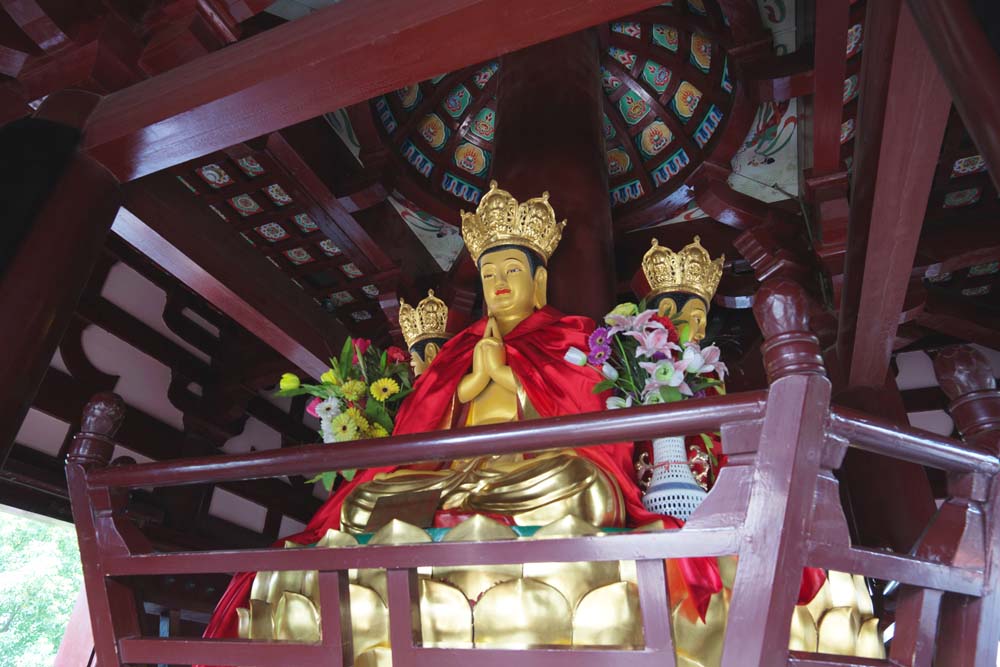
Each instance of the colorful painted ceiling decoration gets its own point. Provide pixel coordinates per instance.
(668, 91)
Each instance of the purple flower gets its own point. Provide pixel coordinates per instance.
(598, 355)
(599, 338)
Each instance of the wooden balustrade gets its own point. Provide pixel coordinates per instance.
(776, 506)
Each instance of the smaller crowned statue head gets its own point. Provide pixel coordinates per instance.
(682, 283)
(511, 242)
(424, 330)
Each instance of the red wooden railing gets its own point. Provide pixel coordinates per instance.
(776, 505)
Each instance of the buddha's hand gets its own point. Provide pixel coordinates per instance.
(490, 350)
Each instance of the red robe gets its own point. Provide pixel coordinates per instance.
(535, 351)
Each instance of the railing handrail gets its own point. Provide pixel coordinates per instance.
(909, 444)
(698, 415)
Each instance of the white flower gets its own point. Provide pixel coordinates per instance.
(328, 409)
(617, 403)
(609, 372)
(576, 356)
(326, 430)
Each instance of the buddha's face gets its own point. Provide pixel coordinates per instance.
(419, 364)
(694, 312)
(509, 288)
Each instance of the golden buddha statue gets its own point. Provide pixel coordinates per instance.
(425, 330)
(682, 283)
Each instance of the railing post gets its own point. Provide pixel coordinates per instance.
(773, 549)
(970, 627)
(92, 448)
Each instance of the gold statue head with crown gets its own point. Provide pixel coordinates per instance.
(682, 283)
(511, 242)
(424, 329)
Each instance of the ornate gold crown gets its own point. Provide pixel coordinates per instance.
(428, 320)
(501, 220)
(691, 270)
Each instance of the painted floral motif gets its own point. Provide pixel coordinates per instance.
(482, 77)
(272, 231)
(484, 124)
(305, 223)
(351, 270)
(385, 115)
(215, 210)
(361, 315)
(340, 298)
(329, 248)
(632, 107)
(245, 205)
(609, 81)
(419, 161)
(618, 162)
(299, 256)
(457, 101)
(690, 212)
(708, 126)
(248, 165)
(727, 82)
(626, 58)
(976, 291)
(701, 52)
(626, 193)
(370, 290)
(187, 185)
(698, 7)
(627, 28)
(442, 240)
(959, 198)
(214, 175)
(277, 194)
(985, 269)
(456, 186)
(666, 36)
(939, 278)
(853, 40)
(850, 88)
(974, 164)
(472, 159)
(685, 101)
(607, 127)
(847, 130)
(433, 130)
(656, 75)
(670, 167)
(654, 138)
(409, 96)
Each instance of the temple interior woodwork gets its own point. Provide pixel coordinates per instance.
(205, 198)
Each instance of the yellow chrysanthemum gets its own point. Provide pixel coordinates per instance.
(353, 390)
(378, 431)
(384, 389)
(344, 427)
(359, 419)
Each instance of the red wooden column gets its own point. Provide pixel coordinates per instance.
(41, 286)
(969, 628)
(549, 138)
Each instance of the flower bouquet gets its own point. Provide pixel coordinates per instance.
(357, 398)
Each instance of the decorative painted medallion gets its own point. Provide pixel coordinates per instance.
(727, 82)
(666, 36)
(701, 52)
(351, 270)
(939, 278)
(464, 191)
(708, 126)
(419, 161)
(248, 165)
(854, 40)
(626, 58)
(609, 81)
(370, 291)
(654, 138)
(847, 130)
(484, 124)
(977, 291)
(272, 232)
(434, 131)
(245, 205)
(361, 315)
(341, 298)
(215, 210)
(305, 223)
(626, 193)
(618, 162)
(656, 75)
(277, 194)
(214, 175)
(472, 159)
(409, 96)
(298, 256)
(627, 28)
(974, 164)
(987, 269)
(329, 248)
(959, 198)
(671, 167)
(187, 185)
(607, 127)
(483, 76)
(850, 88)
(685, 101)
(632, 107)
(698, 7)
(457, 101)
(385, 115)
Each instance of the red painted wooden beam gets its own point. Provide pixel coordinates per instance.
(832, 19)
(338, 56)
(971, 69)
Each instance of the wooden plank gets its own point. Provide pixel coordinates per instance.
(336, 57)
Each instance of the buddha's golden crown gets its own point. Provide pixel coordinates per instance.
(501, 220)
(691, 270)
(428, 320)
